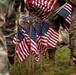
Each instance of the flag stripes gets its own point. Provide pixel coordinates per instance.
(48, 36)
(34, 50)
(52, 37)
(22, 49)
(65, 15)
(68, 19)
(42, 7)
(27, 45)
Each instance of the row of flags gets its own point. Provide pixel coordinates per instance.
(40, 8)
(21, 44)
(35, 39)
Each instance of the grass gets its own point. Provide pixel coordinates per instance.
(61, 68)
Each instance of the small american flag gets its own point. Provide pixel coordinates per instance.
(38, 36)
(22, 49)
(32, 43)
(46, 7)
(44, 42)
(46, 36)
(65, 15)
(52, 36)
(41, 8)
(41, 39)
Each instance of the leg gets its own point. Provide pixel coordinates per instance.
(71, 55)
(9, 32)
(4, 64)
(74, 56)
(51, 53)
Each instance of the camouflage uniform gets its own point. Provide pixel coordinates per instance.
(55, 22)
(4, 69)
(9, 28)
(72, 34)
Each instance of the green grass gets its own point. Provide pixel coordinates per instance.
(60, 68)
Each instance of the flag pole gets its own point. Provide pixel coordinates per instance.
(27, 59)
(40, 55)
(30, 57)
(41, 60)
(17, 22)
(32, 63)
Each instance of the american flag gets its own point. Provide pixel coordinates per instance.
(52, 36)
(65, 15)
(38, 36)
(46, 36)
(32, 43)
(44, 42)
(41, 8)
(47, 8)
(21, 43)
(41, 39)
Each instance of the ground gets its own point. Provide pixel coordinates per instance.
(61, 67)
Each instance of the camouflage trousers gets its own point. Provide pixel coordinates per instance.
(4, 67)
(9, 32)
(73, 49)
(51, 54)
(72, 36)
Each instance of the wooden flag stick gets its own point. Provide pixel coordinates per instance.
(32, 64)
(41, 66)
(27, 65)
(30, 57)
(17, 22)
(41, 56)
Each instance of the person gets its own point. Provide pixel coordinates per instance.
(55, 22)
(10, 26)
(4, 63)
(72, 35)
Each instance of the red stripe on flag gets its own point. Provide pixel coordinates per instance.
(52, 36)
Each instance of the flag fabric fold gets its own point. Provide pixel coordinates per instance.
(40, 8)
(52, 37)
(46, 36)
(32, 43)
(65, 15)
(44, 42)
(21, 44)
(35, 39)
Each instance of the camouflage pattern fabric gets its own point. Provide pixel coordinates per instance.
(9, 32)
(3, 6)
(65, 36)
(72, 34)
(4, 69)
(9, 28)
(55, 24)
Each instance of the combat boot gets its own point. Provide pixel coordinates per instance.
(51, 54)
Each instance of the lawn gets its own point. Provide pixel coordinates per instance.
(61, 67)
